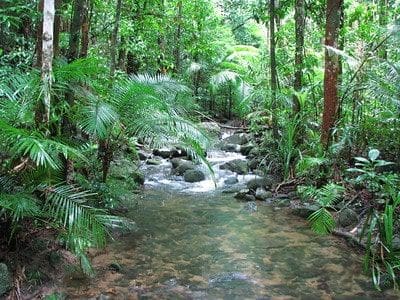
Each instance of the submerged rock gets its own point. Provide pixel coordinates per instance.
(5, 279)
(250, 207)
(154, 162)
(305, 210)
(238, 166)
(231, 180)
(241, 195)
(228, 277)
(193, 176)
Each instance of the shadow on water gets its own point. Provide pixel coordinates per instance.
(206, 246)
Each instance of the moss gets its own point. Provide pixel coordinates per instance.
(5, 279)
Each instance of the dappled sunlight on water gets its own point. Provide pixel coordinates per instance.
(207, 246)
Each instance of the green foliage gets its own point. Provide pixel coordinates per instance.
(322, 221)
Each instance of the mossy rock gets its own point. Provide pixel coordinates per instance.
(194, 176)
(5, 279)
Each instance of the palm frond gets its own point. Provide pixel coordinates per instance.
(41, 150)
(322, 221)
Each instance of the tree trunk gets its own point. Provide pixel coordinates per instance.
(178, 36)
(331, 99)
(114, 36)
(85, 30)
(300, 20)
(75, 30)
(57, 28)
(273, 66)
(383, 21)
(39, 37)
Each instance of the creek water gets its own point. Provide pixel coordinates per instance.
(196, 242)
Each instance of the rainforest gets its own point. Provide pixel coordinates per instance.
(220, 149)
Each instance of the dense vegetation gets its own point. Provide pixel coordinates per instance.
(315, 82)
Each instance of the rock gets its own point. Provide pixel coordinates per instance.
(193, 176)
(143, 155)
(245, 149)
(212, 127)
(230, 147)
(250, 207)
(5, 279)
(237, 138)
(254, 152)
(347, 217)
(228, 277)
(231, 180)
(126, 169)
(103, 297)
(264, 182)
(231, 190)
(254, 163)
(238, 166)
(304, 210)
(249, 197)
(138, 177)
(282, 202)
(281, 196)
(166, 153)
(180, 166)
(241, 195)
(262, 194)
(154, 162)
(115, 267)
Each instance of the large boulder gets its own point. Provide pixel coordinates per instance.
(262, 194)
(231, 180)
(180, 166)
(237, 138)
(246, 149)
(260, 182)
(304, 210)
(347, 217)
(125, 169)
(230, 147)
(212, 127)
(5, 279)
(167, 153)
(238, 166)
(193, 176)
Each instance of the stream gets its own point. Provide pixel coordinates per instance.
(196, 242)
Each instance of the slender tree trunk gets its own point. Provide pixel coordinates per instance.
(39, 37)
(85, 30)
(57, 28)
(300, 20)
(43, 112)
(331, 97)
(178, 36)
(274, 75)
(383, 21)
(122, 55)
(114, 37)
(75, 30)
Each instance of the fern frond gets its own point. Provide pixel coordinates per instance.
(322, 221)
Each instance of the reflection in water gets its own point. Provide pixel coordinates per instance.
(206, 246)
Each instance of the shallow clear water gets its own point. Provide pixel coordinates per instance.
(195, 242)
(209, 246)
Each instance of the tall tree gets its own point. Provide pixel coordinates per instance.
(57, 27)
(85, 30)
(300, 20)
(114, 38)
(47, 56)
(39, 37)
(332, 68)
(178, 36)
(75, 29)
(274, 75)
